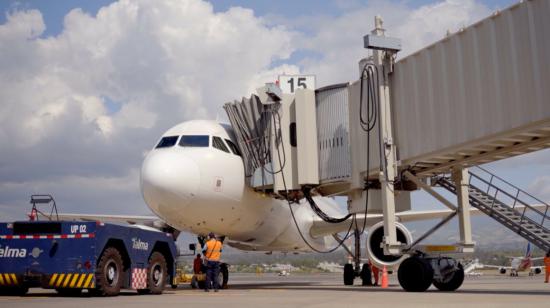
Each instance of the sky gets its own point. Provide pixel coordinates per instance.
(87, 87)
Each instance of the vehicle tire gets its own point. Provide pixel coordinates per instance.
(157, 274)
(454, 283)
(69, 292)
(366, 275)
(415, 274)
(109, 272)
(349, 274)
(224, 272)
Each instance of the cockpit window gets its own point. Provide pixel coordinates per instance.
(194, 141)
(167, 142)
(217, 142)
(233, 147)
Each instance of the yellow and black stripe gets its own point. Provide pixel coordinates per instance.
(72, 280)
(8, 279)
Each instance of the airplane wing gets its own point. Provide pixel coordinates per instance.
(129, 219)
(534, 259)
(496, 266)
(323, 228)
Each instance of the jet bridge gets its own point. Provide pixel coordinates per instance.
(476, 96)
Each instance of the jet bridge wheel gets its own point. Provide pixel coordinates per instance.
(415, 274)
(453, 281)
(349, 274)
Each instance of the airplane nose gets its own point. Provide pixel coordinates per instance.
(169, 179)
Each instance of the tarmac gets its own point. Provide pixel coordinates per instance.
(312, 290)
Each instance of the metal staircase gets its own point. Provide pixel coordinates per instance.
(507, 204)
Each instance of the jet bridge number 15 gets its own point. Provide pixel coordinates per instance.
(289, 83)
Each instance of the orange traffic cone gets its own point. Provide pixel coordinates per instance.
(384, 277)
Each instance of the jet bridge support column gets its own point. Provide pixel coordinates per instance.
(460, 178)
(383, 59)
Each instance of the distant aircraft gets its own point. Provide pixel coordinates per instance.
(520, 264)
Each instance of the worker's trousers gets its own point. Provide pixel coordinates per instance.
(212, 273)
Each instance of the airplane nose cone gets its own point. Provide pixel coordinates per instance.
(169, 180)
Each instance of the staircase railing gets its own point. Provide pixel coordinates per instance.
(509, 194)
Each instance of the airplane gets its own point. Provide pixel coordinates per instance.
(520, 264)
(194, 181)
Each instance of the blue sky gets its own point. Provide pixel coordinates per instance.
(54, 11)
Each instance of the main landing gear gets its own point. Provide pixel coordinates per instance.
(351, 271)
(417, 273)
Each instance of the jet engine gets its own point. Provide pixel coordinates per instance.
(374, 241)
(502, 270)
(537, 270)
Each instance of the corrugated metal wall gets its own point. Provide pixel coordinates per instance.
(333, 133)
(490, 78)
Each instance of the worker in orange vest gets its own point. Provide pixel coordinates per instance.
(212, 252)
(547, 265)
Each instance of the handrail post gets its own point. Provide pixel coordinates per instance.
(523, 214)
(515, 200)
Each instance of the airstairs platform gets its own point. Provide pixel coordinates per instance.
(500, 199)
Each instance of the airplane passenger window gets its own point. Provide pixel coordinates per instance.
(217, 142)
(194, 141)
(167, 142)
(233, 147)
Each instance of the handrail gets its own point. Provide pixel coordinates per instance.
(514, 186)
(516, 198)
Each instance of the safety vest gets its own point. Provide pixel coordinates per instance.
(213, 250)
(547, 264)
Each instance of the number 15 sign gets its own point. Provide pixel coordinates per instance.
(289, 83)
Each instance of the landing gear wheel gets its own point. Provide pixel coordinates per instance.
(223, 278)
(69, 292)
(415, 274)
(157, 273)
(366, 275)
(108, 275)
(453, 282)
(349, 274)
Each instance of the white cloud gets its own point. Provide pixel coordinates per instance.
(161, 62)
(338, 40)
(540, 187)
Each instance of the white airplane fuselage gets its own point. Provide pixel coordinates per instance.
(200, 188)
